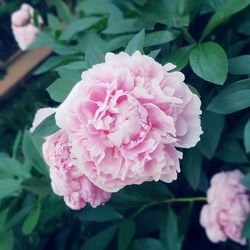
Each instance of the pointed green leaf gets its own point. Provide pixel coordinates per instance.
(6, 240)
(8, 187)
(93, 56)
(247, 136)
(192, 167)
(226, 10)
(101, 240)
(31, 220)
(239, 65)
(209, 62)
(126, 234)
(60, 89)
(77, 26)
(136, 43)
(232, 98)
(212, 125)
(46, 127)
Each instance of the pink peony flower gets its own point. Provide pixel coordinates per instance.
(23, 26)
(125, 119)
(66, 179)
(227, 209)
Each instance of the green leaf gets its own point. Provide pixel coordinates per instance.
(147, 244)
(230, 151)
(31, 220)
(60, 89)
(64, 50)
(118, 42)
(16, 145)
(239, 65)
(184, 220)
(136, 43)
(71, 71)
(149, 221)
(6, 240)
(193, 90)
(49, 64)
(12, 167)
(77, 26)
(72, 75)
(101, 240)
(63, 11)
(97, 7)
(54, 23)
(126, 234)
(211, 6)
(192, 167)
(232, 98)
(212, 125)
(247, 136)
(72, 66)
(179, 57)
(160, 37)
(99, 214)
(139, 194)
(46, 127)
(246, 229)
(8, 187)
(172, 13)
(42, 39)
(93, 56)
(3, 218)
(246, 181)
(37, 186)
(18, 216)
(92, 39)
(154, 53)
(123, 26)
(172, 240)
(32, 152)
(209, 61)
(227, 9)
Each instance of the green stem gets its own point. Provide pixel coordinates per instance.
(188, 36)
(168, 201)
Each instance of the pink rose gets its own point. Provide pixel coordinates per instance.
(227, 209)
(125, 119)
(23, 26)
(66, 179)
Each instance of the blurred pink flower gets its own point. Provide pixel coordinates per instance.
(23, 27)
(227, 209)
(66, 179)
(125, 119)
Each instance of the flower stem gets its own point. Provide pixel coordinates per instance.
(188, 36)
(168, 201)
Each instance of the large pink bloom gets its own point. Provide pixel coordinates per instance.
(227, 209)
(23, 27)
(66, 179)
(125, 119)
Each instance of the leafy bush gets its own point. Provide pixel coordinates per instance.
(209, 41)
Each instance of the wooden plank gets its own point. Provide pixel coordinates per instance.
(21, 66)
